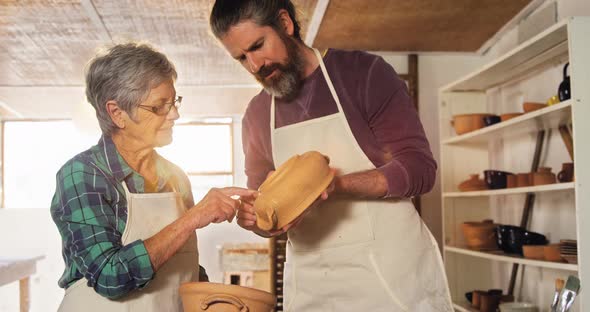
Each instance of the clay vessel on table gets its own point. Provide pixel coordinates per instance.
(543, 176)
(473, 184)
(532, 106)
(213, 297)
(480, 235)
(291, 189)
(511, 181)
(468, 122)
(567, 173)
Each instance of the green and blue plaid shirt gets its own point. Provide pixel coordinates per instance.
(90, 210)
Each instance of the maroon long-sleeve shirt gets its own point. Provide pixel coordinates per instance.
(377, 107)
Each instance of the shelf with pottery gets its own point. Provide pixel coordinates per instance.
(550, 117)
(522, 75)
(514, 191)
(500, 256)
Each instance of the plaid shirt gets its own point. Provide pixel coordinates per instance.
(90, 210)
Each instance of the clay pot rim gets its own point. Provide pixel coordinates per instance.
(302, 205)
(208, 288)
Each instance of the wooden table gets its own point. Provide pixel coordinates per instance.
(20, 269)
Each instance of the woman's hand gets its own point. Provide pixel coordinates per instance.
(218, 205)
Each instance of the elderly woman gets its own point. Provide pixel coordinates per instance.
(126, 215)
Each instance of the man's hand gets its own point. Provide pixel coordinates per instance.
(247, 214)
(218, 205)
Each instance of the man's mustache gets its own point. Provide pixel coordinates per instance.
(265, 71)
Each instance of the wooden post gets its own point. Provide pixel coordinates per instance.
(24, 294)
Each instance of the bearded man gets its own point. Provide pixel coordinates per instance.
(363, 246)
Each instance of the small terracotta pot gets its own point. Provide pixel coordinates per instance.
(476, 299)
(213, 297)
(523, 179)
(473, 184)
(532, 106)
(480, 235)
(468, 122)
(567, 173)
(543, 176)
(489, 302)
(535, 252)
(552, 253)
(511, 181)
(505, 117)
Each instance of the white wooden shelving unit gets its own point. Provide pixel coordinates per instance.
(567, 41)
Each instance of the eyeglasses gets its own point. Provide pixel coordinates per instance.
(163, 109)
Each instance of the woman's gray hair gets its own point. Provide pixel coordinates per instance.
(124, 73)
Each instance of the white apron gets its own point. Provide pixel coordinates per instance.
(353, 254)
(147, 214)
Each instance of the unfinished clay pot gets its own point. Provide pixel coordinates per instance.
(543, 176)
(468, 122)
(473, 184)
(480, 235)
(213, 297)
(291, 189)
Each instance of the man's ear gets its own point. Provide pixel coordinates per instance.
(286, 22)
(118, 116)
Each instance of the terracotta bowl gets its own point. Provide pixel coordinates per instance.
(552, 253)
(535, 252)
(291, 189)
(505, 117)
(473, 184)
(544, 176)
(532, 106)
(213, 297)
(468, 122)
(480, 235)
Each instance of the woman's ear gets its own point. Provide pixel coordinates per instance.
(118, 116)
(286, 22)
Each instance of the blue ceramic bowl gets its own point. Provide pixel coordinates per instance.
(490, 120)
(496, 179)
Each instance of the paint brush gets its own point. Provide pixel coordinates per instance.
(568, 294)
(558, 286)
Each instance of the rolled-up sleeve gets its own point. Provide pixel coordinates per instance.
(85, 210)
(408, 163)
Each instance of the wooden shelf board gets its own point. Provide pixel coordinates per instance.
(516, 190)
(498, 256)
(547, 118)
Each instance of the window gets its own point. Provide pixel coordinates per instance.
(35, 150)
(204, 151)
(33, 153)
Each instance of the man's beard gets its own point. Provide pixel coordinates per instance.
(288, 80)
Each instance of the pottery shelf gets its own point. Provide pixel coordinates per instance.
(532, 72)
(547, 118)
(500, 256)
(514, 191)
(463, 307)
(548, 47)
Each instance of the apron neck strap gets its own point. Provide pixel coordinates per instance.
(330, 86)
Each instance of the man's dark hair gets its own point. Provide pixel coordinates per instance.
(228, 13)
